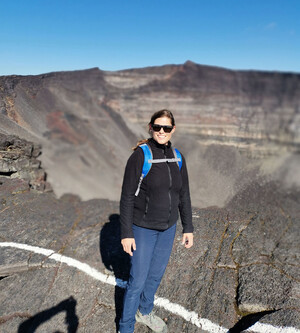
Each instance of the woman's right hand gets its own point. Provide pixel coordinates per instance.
(128, 245)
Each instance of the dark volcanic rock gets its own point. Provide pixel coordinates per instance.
(18, 159)
(243, 268)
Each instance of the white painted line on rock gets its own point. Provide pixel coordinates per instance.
(190, 316)
(267, 328)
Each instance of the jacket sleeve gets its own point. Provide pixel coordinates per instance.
(185, 207)
(131, 178)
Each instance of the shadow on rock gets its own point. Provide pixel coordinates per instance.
(248, 321)
(116, 261)
(68, 305)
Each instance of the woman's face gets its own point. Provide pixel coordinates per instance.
(161, 136)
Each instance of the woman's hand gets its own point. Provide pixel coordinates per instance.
(188, 240)
(128, 245)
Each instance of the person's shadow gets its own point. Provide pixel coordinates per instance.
(68, 305)
(116, 261)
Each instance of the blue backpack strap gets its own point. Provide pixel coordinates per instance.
(177, 154)
(147, 158)
(146, 166)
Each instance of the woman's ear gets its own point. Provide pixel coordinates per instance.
(173, 130)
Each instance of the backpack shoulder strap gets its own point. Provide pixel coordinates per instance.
(148, 157)
(178, 156)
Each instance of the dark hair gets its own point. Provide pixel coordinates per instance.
(163, 113)
(156, 115)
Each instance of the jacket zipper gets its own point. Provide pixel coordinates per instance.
(146, 208)
(170, 178)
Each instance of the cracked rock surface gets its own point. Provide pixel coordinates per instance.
(245, 261)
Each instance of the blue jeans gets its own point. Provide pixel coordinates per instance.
(148, 264)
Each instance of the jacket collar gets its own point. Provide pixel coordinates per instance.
(154, 143)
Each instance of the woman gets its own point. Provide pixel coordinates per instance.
(149, 212)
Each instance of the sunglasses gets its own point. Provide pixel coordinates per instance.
(157, 128)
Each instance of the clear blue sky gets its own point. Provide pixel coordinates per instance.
(40, 36)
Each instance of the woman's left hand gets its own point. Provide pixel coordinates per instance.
(188, 240)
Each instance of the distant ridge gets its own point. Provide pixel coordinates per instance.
(88, 120)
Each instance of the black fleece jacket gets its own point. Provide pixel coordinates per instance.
(163, 191)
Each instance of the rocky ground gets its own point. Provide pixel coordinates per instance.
(243, 269)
